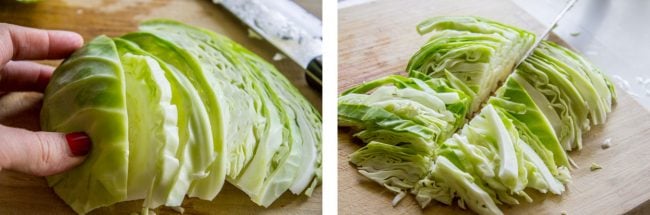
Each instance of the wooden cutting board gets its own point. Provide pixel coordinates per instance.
(23, 194)
(378, 38)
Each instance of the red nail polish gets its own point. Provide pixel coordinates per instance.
(79, 143)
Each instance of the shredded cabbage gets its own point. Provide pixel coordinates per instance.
(517, 140)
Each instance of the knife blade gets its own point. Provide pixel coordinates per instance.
(545, 34)
(288, 27)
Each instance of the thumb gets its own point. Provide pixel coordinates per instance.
(41, 153)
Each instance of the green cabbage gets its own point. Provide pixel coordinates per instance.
(193, 130)
(402, 119)
(540, 134)
(578, 92)
(519, 138)
(90, 96)
(396, 167)
(464, 187)
(175, 110)
(477, 51)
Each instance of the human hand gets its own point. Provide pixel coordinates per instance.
(36, 153)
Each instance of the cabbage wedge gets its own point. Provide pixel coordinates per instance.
(175, 110)
(477, 51)
(403, 120)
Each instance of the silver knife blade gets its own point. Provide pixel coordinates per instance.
(546, 33)
(284, 24)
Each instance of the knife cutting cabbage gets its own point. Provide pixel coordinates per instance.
(546, 33)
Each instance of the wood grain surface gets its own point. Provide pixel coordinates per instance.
(23, 194)
(378, 38)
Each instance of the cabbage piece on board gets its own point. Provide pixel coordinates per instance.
(464, 187)
(402, 120)
(396, 167)
(497, 162)
(431, 109)
(493, 146)
(536, 108)
(90, 85)
(590, 82)
(535, 117)
(578, 92)
(477, 51)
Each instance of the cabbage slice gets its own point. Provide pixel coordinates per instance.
(477, 51)
(195, 129)
(245, 85)
(152, 117)
(396, 167)
(564, 97)
(180, 162)
(423, 112)
(402, 120)
(535, 119)
(90, 85)
(168, 51)
(586, 78)
(578, 92)
(464, 187)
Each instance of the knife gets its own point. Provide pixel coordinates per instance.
(545, 34)
(288, 27)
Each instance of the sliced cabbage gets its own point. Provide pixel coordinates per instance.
(517, 140)
(396, 167)
(477, 51)
(259, 102)
(403, 110)
(175, 110)
(578, 92)
(402, 119)
(169, 51)
(189, 157)
(149, 91)
(464, 187)
(540, 134)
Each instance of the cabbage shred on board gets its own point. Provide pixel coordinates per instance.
(175, 110)
(416, 137)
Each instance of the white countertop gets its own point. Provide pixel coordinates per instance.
(614, 35)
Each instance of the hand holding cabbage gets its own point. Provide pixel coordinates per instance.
(175, 110)
(35, 153)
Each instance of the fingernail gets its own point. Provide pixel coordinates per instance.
(79, 143)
